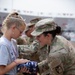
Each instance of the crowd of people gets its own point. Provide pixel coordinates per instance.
(43, 43)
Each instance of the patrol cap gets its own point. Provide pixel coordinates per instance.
(32, 22)
(35, 20)
(28, 25)
(43, 26)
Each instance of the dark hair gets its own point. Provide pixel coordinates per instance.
(58, 29)
(53, 32)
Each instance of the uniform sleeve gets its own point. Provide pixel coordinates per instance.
(32, 48)
(29, 51)
(4, 56)
(51, 66)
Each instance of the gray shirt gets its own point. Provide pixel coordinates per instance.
(8, 53)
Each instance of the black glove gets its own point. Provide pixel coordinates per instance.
(32, 66)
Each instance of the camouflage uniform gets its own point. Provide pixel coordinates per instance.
(60, 56)
(30, 40)
(29, 25)
(29, 51)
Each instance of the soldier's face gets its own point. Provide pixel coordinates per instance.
(44, 40)
(28, 33)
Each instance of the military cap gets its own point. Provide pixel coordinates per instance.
(32, 22)
(35, 20)
(28, 25)
(43, 26)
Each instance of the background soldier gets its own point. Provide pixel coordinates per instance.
(29, 51)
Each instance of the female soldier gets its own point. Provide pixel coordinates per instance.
(60, 54)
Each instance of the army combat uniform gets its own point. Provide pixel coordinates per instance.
(60, 55)
(29, 51)
(61, 59)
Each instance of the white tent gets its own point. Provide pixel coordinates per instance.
(43, 8)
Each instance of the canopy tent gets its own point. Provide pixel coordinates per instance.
(43, 8)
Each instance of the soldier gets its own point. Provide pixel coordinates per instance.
(60, 59)
(30, 28)
(29, 51)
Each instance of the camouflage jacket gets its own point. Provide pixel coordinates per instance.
(32, 51)
(60, 59)
(29, 40)
(29, 51)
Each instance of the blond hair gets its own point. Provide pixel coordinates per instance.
(13, 18)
